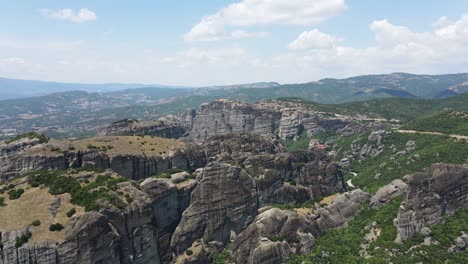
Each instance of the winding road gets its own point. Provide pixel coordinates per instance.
(432, 133)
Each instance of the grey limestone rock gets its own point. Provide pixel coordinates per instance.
(386, 193)
(224, 201)
(158, 128)
(442, 189)
(276, 234)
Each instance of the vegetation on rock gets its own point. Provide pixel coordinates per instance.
(86, 196)
(30, 135)
(23, 239)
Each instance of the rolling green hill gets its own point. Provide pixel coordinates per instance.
(393, 108)
(401, 85)
(446, 122)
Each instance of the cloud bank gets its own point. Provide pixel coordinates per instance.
(80, 16)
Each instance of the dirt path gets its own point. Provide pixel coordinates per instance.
(433, 133)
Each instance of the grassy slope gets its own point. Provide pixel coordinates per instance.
(112, 145)
(429, 149)
(343, 245)
(445, 122)
(356, 88)
(392, 108)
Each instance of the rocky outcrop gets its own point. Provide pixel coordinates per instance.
(343, 208)
(461, 243)
(237, 145)
(11, 167)
(276, 234)
(188, 216)
(133, 167)
(225, 117)
(157, 128)
(168, 201)
(140, 233)
(293, 177)
(386, 193)
(270, 118)
(222, 204)
(441, 190)
(295, 123)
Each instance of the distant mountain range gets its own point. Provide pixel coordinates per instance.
(81, 110)
(14, 88)
(328, 90)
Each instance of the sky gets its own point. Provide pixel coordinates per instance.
(220, 42)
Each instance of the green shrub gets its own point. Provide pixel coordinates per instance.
(56, 227)
(6, 188)
(2, 201)
(71, 212)
(22, 239)
(343, 245)
(86, 196)
(189, 252)
(221, 258)
(36, 223)
(15, 194)
(71, 148)
(128, 198)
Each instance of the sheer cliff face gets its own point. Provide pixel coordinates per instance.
(224, 117)
(137, 234)
(440, 190)
(224, 202)
(22, 160)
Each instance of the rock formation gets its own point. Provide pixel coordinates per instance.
(157, 128)
(223, 203)
(272, 118)
(441, 190)
(140, 233)
(386, 193)
(225, 117)
(132, 166)
(276, 234)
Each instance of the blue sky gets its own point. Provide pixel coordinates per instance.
(226, 42)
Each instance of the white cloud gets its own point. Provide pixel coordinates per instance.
(441, 22)
(397, 48)
(81, 16)
(194, 56)
(264, 12)
(240, 34)
(314, 39)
